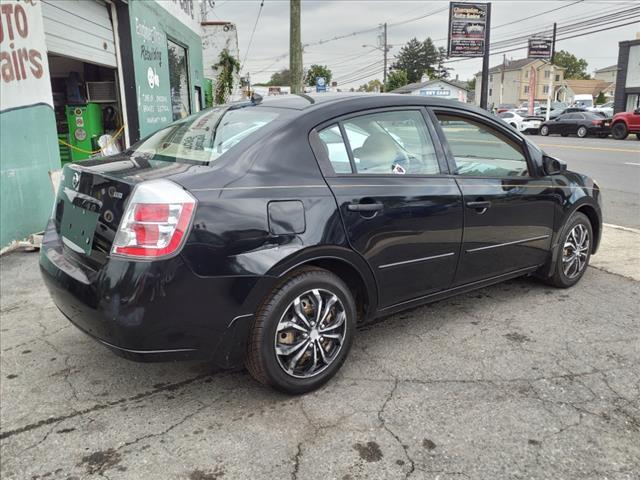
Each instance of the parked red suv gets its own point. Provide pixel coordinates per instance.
(624, 123)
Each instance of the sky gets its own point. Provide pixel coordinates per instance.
(353, 64)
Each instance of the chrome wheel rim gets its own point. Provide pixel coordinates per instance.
(310, 333)
(575, 251)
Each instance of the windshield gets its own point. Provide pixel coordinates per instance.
(204, 137)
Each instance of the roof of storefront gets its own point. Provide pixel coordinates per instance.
(418, 85)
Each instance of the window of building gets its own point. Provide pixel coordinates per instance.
(490, 91)
(547, 73)
(178, 80)
(491, 78)
(545, 89)
(481, 150)
(526, 89)
(557, 78)
(526, 74)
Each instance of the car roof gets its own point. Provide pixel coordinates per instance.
(315, 101)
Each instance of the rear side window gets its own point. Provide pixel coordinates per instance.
(204, 137)
(481, 150)
(392, 143)
(336, 149)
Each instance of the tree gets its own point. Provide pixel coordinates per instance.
(372, 86)
(601, 99)
(441, 71)
(576, 68)
(283, 77)
(396, 79)
(471, 84)
(417, 58)
(316, 71)
(229, 66)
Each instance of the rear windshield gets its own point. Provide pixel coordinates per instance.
(204, 137)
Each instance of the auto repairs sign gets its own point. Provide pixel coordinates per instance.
(467, 29)
(23, 56)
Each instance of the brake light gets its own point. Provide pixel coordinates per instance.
(156, 221)
(596, 122)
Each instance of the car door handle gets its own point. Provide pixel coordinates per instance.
(479, 205)
(365, 207)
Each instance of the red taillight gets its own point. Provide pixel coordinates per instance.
(156, 220)
(596, 122)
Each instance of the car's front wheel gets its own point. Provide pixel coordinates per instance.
(544, 131)
(302, 333)
(582, 132)
(574, 252)
(619, 131)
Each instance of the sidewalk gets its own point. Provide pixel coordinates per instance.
(619, 252)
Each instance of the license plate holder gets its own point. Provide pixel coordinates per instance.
(78, 227)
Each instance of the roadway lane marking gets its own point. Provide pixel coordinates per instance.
(577, 147)
(631, 163)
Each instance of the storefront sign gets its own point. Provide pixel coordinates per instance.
(436, 93)
(23, 56)
(467, 29)
(539, 48)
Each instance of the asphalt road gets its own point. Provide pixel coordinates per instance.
(515, 381)
(615, 164)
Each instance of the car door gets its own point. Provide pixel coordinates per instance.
(509, 208)
(401, 210)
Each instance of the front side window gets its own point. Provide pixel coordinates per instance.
(481, 150)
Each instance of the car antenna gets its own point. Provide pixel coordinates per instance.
(256, 98)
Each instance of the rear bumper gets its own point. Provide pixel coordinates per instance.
(150, 311)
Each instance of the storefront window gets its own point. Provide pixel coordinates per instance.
(179, 80)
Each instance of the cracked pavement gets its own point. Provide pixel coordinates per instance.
(514, 381)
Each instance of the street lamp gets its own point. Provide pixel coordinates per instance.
(384, 48)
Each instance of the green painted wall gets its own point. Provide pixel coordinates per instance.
(151, 25)
(28, 151)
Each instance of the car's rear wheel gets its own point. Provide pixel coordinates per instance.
(582, 132)
(574, 252)
(619, 131)
(544, 131)
(302, 333)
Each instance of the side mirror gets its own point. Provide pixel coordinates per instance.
(637, 111)
(553, 166)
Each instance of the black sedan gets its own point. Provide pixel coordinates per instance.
(578, 123)
(262, 232)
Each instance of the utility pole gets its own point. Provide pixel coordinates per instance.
(484, 86)
(386, 50)
(295, 47)
(552, 74)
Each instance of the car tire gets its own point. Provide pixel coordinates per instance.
(567, 274)
(619, 131)
(288, 357)
(638, 136)
(544, 131)
(582, 132)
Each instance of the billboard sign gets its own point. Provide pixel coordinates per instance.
(435, 93)
(539, 48)
(467, 29)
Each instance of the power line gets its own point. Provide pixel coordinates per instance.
(252, 32)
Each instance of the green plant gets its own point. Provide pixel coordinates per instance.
(396, 79)
(316, 71)
(228, 66)
(601, 99)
